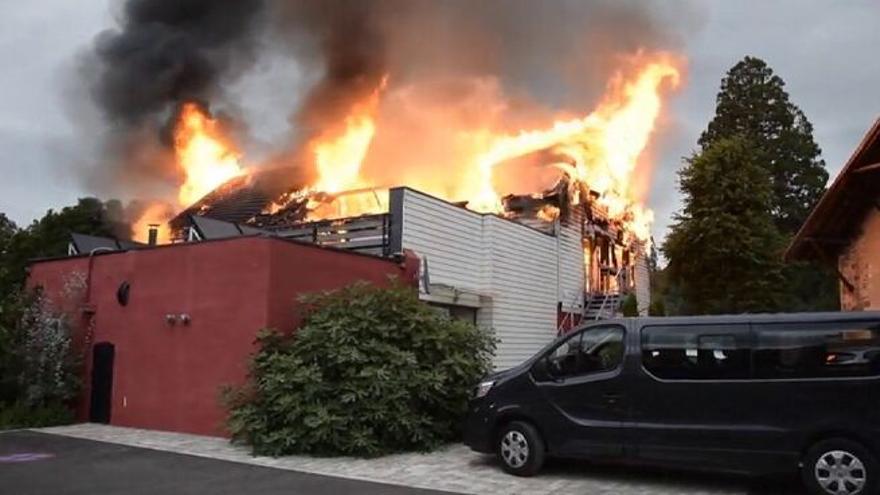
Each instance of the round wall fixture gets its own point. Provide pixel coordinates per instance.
(122, 293)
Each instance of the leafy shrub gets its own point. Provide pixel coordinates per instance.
(20, 415)
(371, 371)
(657, 308)
(630, 306)
(38, 365)
(49, 366)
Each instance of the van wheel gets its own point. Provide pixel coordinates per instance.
(840, 467)
(520, 448)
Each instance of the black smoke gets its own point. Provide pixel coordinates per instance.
(545, 56)
(169, 51)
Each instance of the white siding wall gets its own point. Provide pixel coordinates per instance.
(524, 271)
(449, 237)
(571, 263)
(524, 287)
(642, 281)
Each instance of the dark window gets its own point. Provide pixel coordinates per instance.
(591, 351)
(464, 313)
(816, 350)
(699, 352)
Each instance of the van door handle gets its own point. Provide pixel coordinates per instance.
(612, 397)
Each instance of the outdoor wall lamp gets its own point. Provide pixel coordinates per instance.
(172, 319)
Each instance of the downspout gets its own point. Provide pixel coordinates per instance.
(89, 274)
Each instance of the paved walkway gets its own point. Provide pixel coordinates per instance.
(35, 463)
(454, 468)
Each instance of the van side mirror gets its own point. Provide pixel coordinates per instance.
(540, 370)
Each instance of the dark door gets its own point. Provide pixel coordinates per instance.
(692, 398)
(102, 382)
(812, 377)
(583, 387)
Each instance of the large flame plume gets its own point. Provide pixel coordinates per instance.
(598, 153)
(206, 160)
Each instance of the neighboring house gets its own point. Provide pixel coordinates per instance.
(523, 276)
(843, 229)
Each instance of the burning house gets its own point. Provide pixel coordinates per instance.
(527, 274)
(528, 212)
(448, 144)
(528, 233)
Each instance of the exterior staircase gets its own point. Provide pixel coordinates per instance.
(600, 306)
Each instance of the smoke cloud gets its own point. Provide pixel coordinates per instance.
(162, 54)
(489, 64)
(168, 52)
(461, 67)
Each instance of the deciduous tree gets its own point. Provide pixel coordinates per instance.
(50, 235)
(724, 251)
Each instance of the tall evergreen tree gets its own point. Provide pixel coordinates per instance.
(7, 231)
(753, 103)
(723, 248)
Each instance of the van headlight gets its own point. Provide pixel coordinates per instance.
(483, 389)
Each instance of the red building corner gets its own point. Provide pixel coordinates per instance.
(175, 323)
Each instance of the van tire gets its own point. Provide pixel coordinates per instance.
(520, 448)
(839, 455)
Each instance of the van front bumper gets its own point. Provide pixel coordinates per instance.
(479, 425)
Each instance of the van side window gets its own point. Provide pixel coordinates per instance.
(590, 351)
(699, 352)
(817, 350)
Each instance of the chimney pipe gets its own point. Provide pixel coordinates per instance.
(153, 235)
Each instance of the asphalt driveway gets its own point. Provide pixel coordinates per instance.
(34, 463)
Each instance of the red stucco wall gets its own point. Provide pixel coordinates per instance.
(168, 377)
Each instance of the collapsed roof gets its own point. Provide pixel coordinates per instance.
(267, 199)
(242, 198)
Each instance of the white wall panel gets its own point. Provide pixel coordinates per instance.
(525, 272)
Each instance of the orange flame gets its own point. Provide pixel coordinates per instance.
(206, 159)
(157, 214)
(201, 152)
(599, 152)
(338, 161)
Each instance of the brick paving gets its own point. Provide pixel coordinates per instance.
(454, 468)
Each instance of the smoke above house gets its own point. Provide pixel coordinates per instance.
(406, 92)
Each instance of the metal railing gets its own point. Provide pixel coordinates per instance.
(366, 234)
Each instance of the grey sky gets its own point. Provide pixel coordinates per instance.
(825, 51)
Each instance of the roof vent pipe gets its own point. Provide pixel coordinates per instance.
(153, 234)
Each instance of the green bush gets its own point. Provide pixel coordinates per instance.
(630, 306)
(657, 308)
(371, 371)
(39, 368)
(20, 415)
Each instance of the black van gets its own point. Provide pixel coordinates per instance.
(753, 394)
